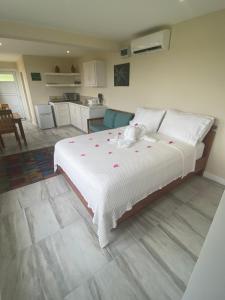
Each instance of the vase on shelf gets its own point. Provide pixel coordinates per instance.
(73, 69)
(57, 69)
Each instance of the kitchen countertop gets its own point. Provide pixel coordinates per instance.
(76, 102)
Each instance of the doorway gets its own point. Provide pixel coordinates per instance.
(10, 93)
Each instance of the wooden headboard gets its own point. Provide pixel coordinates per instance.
(208, 141)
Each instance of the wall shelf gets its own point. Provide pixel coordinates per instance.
(62, 74)
(63, 84)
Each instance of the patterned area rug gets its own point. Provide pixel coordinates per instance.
(24, 168)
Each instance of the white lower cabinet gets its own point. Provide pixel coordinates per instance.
(62, 114)
(72, 114)
(80, 114)
(84, 126)
(76, 114)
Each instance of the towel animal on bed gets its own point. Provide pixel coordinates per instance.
(131, 135)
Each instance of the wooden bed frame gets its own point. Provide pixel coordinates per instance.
(199, 170)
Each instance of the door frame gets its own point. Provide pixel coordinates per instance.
(20, 90)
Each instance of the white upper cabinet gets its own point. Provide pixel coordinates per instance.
(94, 73)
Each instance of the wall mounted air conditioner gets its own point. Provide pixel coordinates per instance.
(155, 41)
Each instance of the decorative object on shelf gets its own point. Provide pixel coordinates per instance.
(73, 69)
(57, 69)
(35, 76)
(77, 82)
(122, 74)
(100, 98)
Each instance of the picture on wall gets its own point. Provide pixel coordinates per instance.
(122, 74)
(35, 76)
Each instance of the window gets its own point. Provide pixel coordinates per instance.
(6, 77)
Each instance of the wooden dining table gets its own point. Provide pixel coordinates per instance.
(18, 120)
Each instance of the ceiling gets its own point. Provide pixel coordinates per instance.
(12, 48)
(113, 19)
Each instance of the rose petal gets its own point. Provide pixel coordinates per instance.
(115, 166)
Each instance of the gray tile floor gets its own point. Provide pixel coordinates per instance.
(37, 138)
(49, 248)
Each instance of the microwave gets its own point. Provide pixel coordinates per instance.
(71, 96)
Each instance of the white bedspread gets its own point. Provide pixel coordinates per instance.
(112, 180)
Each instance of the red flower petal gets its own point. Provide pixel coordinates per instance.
(116, 166)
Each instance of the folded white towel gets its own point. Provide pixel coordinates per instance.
(124, 143)
(114, 140)
(132, 133)
(149, 139)
(130, 136)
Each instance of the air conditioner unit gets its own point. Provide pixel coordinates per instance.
(156, 41)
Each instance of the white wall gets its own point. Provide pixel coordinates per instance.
(190, 76)
(39, 91)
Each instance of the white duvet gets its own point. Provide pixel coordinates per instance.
(113, 179)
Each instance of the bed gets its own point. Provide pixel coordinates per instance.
(116, 183)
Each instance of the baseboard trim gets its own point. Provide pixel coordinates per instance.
(214, 178)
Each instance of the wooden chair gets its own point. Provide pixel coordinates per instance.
(1, 144)
(4, 106)
(7, 125)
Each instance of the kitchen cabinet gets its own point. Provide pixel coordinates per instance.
(75, 115)
(85, 114)
(94, 73)
(72, 114)
(80, 113)
(62, 114)
(67, 113)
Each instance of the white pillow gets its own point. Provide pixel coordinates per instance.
(149, 118)
(187, 127)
